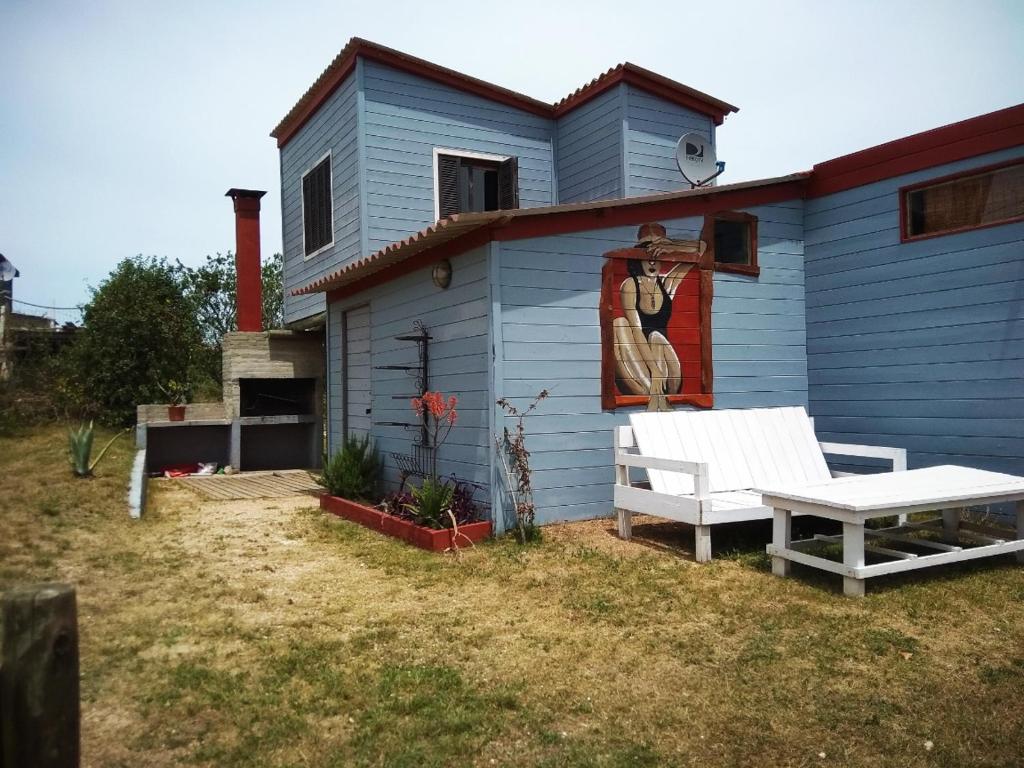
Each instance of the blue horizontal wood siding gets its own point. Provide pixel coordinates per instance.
(458, 321)
(333, 128)
(406, 117)
(918, 345)
(653, 127)
(589, 149)
(551, 339)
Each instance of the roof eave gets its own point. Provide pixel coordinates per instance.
(464, 231)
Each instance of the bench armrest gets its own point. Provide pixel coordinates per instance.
(653, 462)
(698, 469)
(898, 456)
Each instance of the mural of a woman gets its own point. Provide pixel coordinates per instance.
(645, 362)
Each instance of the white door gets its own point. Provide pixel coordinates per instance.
(356, 329)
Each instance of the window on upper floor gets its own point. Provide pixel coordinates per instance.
(317, 208)
(969, 200)
(732, 240)
(474, 183)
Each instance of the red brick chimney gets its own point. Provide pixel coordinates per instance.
(249, 293)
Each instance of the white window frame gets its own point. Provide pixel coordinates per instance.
(302, 198)
(459, 153)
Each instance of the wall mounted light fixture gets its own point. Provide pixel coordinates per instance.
(442, 274)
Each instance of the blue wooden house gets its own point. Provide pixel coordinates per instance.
(556, 246)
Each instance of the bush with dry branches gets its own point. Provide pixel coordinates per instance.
(516, 461)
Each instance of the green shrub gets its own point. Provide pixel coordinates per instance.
(353, 471)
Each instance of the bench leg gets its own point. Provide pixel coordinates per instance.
(950, 524)
(1020, 529)
(702, 543)
(853, 555)
(625, 524)
(782, 536)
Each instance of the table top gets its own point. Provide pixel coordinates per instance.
(893, 490)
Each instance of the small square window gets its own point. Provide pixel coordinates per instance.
(473, 185)
(733, 243)
(317, 207)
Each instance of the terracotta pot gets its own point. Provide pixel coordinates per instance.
(175, 412)
(424, 538)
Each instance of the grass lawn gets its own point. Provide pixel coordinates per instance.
(271, 634)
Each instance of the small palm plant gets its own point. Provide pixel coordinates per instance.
(80, 449)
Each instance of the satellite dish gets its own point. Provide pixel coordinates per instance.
(7, 270)
(695, 156)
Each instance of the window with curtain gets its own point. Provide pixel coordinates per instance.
(964, 202)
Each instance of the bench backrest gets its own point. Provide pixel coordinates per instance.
(748, 448)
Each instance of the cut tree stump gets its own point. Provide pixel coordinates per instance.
(39, 696)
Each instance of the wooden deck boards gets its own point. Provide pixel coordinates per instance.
(254, 485)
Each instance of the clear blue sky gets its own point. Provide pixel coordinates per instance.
(122, 124)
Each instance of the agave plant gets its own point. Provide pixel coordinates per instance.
(80, 449)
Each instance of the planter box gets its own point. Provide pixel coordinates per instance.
(417, 535)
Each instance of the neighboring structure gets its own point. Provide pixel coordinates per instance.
(556, 247)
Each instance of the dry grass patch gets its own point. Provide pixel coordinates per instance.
(245, 634)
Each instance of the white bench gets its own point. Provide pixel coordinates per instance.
(703, 465)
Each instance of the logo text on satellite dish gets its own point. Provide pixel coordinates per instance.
(695, 156)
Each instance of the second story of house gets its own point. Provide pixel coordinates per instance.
(383, 145)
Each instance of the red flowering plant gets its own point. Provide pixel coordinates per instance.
(432, 501)
(440, 416)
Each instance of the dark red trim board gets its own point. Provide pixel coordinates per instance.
(958, 141)
(344, 64)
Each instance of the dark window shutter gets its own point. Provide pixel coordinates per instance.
(508, 184)
(318, 216)
(448, 185)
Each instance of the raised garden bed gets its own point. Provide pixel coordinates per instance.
(417, 535)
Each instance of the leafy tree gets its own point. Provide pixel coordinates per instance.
(211, 290)
(139, 331)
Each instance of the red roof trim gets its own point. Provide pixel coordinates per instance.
(339, 69)
(344, 63)
(958, 141)
(646, 80)
(555, 220)
(472, 239)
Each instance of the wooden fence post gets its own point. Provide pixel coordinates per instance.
(39, 698)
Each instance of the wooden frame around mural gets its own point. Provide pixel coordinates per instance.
(610, 398)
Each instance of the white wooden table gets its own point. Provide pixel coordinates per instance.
(856, 499)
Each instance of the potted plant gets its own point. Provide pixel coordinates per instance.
(177, 393)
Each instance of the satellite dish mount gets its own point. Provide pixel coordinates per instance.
(695, 156)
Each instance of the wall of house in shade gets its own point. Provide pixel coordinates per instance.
(918, 344)
(548, 293)
(458, 320)
(333, 128)
(651, 130)
(623, 144)
(407, 116)
(589, 150)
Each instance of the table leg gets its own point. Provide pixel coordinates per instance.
(1020, 529)
(853, 556)
(782, 537)
(950, 524)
